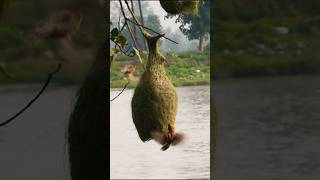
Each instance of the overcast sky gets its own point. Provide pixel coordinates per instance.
(158, 10)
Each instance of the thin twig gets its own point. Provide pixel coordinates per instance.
(125, 23)
(34, 99)
(134, 27)
(141, 18)
(152, 31)
(119, 20)
(145, 34)
(141, 27)
(136, 22)
(128, 27)
(127, 50)
(121, 49)
(121, 91)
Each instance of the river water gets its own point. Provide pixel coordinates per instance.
(131, 158)
(33, 146)
(268, 130)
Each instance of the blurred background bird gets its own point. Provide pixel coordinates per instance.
(60, 27)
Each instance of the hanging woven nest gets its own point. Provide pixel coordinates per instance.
(180, 6)
(154, 103)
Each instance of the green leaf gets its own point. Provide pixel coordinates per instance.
(137, 53)
(114, 32)
(114, 51)
(111, 60)
(121, 40)
(4, 73)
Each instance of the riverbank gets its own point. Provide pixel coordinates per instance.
(184, 69)
(37, 71)
(265, 38)
(252, 65)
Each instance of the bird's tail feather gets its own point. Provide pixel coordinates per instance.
(166, 140)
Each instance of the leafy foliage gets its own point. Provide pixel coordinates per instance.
(4, 73)
(195, 26)
(184, 68)
(245, 23)
(246, 42)
(15, 44)
(120, 41)
(248, 10)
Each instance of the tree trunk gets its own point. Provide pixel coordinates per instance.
(200, 42)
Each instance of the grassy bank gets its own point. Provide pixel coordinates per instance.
(184, 68)
(37, 71)
(247, 64)
(266, 45)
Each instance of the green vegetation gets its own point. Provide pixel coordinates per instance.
(195, 26)
(257, 37)
(185, 68)
(30, 60)
(15, 43)
(37, 70)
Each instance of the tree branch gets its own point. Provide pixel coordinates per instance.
(145, 34)
(142, 27)
(121, 49)
(141, 19)
(152, 31)
(129, 29)
(121, 91)
(34, 99)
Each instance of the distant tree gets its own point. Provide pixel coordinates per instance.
(195, 26)
(184, 43)
(153, 22)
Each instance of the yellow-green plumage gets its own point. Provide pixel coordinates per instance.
(154, 103)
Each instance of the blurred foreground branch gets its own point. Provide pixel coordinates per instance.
(34, 99)
(125, 86)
